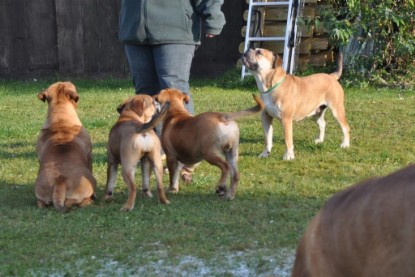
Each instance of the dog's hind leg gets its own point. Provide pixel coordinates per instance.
(145, 177)
(215, 159)
(321, 125)
(340, 115)
(128, 174)
(174, 167)
(112, 171)
(232, 158)
(158, 172)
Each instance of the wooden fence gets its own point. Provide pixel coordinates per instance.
(79, 38)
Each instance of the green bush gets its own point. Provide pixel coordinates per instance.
(385, 32)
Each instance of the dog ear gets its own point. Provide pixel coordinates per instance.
(277, 61)
(120, 108)
(142, 107)
(42, 95)
(138, 105)
(186, 98)
(72, 95)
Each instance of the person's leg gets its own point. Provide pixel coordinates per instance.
(142, 68)
(173, 63)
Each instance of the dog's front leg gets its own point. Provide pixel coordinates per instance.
(266, 120)
(287, 125)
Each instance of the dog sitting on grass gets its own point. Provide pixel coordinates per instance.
(64, 151)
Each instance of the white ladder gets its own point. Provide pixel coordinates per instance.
(290, 32)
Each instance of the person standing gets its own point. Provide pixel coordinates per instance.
(160, 38)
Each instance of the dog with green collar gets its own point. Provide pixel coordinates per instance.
(291, 98)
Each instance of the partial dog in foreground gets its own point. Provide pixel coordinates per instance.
(64, 151)
(188, 139)
(291, 98)
(365, 230)
(132, 139)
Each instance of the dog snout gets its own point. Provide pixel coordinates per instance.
(248, 52)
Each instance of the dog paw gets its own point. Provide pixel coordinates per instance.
(264, 154)
(127, 208)
(229, 196)
(172, 190)
(147, 193)
(288, 156)
(221, 190)
(108, 197)
(165, 202)
(345, 145)
(41, 204)
(62, 209)
(318, 141)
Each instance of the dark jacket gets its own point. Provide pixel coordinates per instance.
(169, 21)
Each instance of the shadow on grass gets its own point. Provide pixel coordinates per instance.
(17, 150)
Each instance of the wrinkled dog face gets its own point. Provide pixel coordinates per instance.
(258, 60)
(175, 97)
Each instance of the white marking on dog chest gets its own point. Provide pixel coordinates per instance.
(270, 106)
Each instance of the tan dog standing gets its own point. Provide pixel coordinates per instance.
(188, 139)
(132, 139)
(365, 230)
(291, 98)
(64, 151)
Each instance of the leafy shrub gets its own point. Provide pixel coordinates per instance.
(384, 31)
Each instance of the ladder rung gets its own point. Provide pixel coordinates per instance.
(266, 38)
(285, 3)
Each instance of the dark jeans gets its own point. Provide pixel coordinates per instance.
(156, 67)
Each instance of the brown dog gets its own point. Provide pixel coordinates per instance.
(131, 140)
(365, 230)
(290, 98)
(64, 150)
(187, 139)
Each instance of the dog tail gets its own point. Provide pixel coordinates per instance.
(59, 194)
(256, 109)
(155, 120)
(338, 73)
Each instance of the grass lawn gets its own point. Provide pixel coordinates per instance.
(198, 234)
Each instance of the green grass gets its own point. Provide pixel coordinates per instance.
(197, 232)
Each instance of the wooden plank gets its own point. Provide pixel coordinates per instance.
(69, 16)
(321, 58)
(91, 28)
(6, 42)
(14, 39)
(281, 13)
(319, 43)
(108, 37)
(42, 37)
